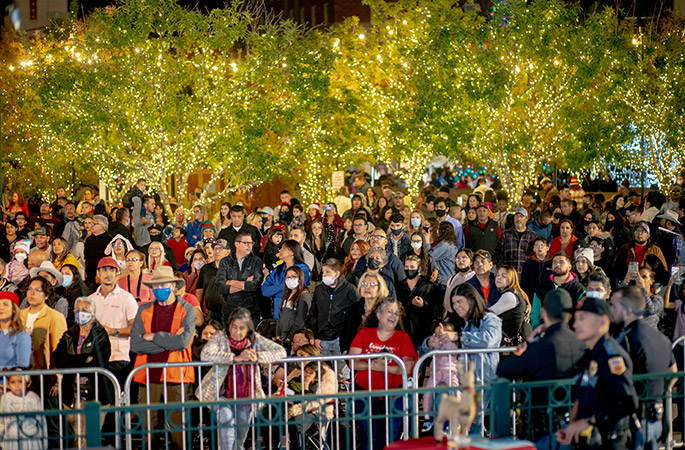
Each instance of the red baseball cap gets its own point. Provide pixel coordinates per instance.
(108, 261)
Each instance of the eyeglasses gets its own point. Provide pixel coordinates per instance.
(133, 260)
(539, 246)
(595, 246)
(373, 238)
(118, 244)
(368, 284)
(218, 247)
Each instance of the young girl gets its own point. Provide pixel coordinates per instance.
(272, 246)
(33, 432)
(444, 371)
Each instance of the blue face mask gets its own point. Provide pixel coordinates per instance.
(416, 222)
(264, 220)
(161, 294)
(128, 222)
(83, 317)
(67, 280)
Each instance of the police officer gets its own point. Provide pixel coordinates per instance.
(650, 352)
(553, 354)
(606, 398)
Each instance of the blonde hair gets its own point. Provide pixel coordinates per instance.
(382, 285)
(150, 259)
(512, 276)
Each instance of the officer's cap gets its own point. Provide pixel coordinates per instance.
(558, 301)
(595, 306)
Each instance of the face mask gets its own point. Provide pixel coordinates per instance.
(374, 264)
(83, 317)
(292, 283)
(198, 264)
(161, 294)
(328, 281)
(440, 212)
(416, 245)
(416, 222)
(398, 232)
(411, 274)
(128, 222)
(157, 238)
(426, 229)
(21, 257)
(284, 215)
(464, 269)
(264, 220)
(67, 280)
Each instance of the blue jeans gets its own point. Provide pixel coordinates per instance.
(233, 424)
(333, 348)
(653, 431)
(376, 406)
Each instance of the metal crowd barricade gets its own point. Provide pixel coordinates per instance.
(274, 418)
(50, 391)
(464, 357)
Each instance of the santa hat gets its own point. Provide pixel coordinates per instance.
(574, 183)
(316, 206)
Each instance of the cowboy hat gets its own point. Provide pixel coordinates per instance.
(47, 266)
(163, 274)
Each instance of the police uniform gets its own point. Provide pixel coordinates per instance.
(650, 352)
(606, 395)
(553, 355)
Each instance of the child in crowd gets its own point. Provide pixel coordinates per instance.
(444, 371)
(273, 244)
(21, 432)
(16, 270)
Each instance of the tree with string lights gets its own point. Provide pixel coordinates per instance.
(152, 90)
(654, 92)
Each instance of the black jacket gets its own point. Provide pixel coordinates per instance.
(230, 270)
(418, 321)
(97, 346)
(328, 313)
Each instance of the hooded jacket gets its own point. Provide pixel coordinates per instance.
(329, 310)
(571, 285)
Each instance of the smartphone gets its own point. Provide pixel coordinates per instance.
(678, 271)
(460, 201)
(632, 267)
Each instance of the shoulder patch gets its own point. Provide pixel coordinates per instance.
(616, 365)
(522, 347)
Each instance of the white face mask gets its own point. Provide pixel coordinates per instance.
(328, 281)
(416, 245)
(292, 283)
(21, 257)
(198, 264)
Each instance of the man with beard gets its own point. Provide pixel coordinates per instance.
(650, 352)
(637, 250)
(561, 277)
(484, 280)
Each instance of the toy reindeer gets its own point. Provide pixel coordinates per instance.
(459, 412)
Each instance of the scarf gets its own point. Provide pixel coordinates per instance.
(240, 380)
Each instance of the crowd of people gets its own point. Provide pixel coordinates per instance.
(582, 283)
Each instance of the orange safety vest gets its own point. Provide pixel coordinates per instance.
(173, 374)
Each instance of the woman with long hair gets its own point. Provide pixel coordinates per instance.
(60, 254)
(358, 249)
(419, 248)
(295, 304)
(358, 208)
(197, 262)
(381, 204)
(416, 220)
(73, 286)
(444, 251)
(237, 343)
(18, 204)
(156, 257)
(224, 217)
(381, 329)
(481, 328)
(317, 242)
(513, 307)
(291, 255)
(14, 340)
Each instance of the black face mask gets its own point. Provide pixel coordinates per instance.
(465, 269)
(411, 274)
(374, 264)
(157, 238)
(440, 212)
(426, 229)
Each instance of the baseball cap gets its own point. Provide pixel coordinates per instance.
(108, 261)
(644, 225)
(483, 254)
(558, 301)
(40, 231)
(221, 242)
(523, 212)
(267, 210)
(482, 205)
(545, 180)
(595, 306)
